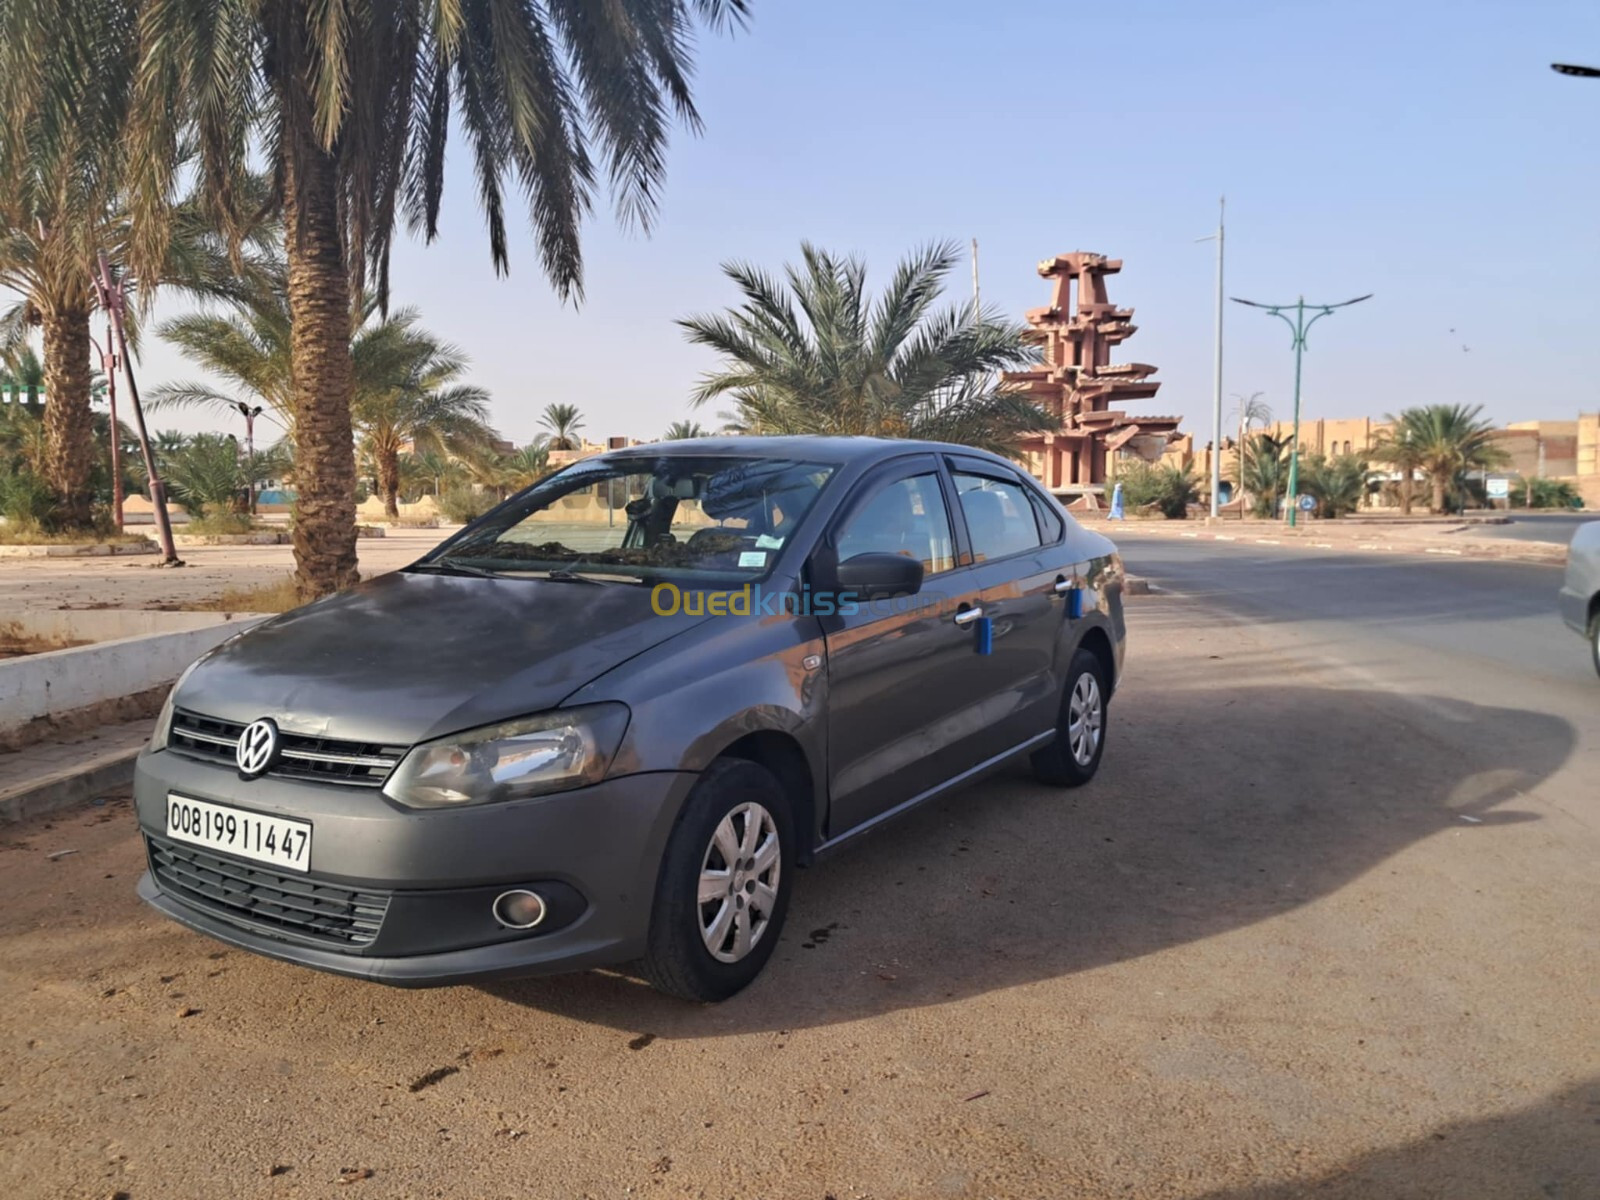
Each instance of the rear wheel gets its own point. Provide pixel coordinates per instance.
(1074, 757)
(724, 885)
(1594, 641)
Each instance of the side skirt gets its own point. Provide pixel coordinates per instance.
(939, 789)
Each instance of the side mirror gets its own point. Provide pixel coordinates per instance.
(872, 576)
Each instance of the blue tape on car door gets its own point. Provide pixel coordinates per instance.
(1075, 603)
(985, 635)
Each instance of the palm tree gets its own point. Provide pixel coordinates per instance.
(683, 431)
(820, 356)
(526, 466)
(352, 103)
(1450, 440)
(66, 74)
(431, 470)
(563, 422)
(1338, 484)
(407, 395)
(210, 471)
(1397, 447)
(1266, 472)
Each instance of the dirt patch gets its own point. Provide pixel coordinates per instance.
(18, 645)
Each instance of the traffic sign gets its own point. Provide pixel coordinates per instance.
(1498, 489)
(1307, 503)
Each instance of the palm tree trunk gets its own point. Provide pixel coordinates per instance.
(389, 482)
(1438, 493)
(319, 308)
(68, 422)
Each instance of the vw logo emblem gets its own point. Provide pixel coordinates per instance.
(258, 746)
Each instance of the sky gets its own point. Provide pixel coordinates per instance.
(1423, 152)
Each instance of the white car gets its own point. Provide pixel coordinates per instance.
(1580, 593)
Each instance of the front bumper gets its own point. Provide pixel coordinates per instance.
(433, 874)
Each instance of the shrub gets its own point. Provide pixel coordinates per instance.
(1547, 493)
(464, 504)
(1337, 484)
(25, 500)
(1167, 489)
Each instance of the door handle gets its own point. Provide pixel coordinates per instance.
(1063, 586)
(968, 615)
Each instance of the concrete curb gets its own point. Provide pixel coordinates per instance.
(90, 550)
(267, 537)
(38, 685)
(105, 772)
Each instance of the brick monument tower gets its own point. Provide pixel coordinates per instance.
(1077, 382)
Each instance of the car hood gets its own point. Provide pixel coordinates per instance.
(404, 658)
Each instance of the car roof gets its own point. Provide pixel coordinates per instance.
(803, 447)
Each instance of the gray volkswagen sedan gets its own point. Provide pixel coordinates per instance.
(607, 722)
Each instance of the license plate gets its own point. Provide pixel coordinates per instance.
(275, 840)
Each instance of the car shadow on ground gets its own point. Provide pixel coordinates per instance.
(1553, 1146)
(1279, 796)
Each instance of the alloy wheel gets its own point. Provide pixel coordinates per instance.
(1085, 718)
(738, 891)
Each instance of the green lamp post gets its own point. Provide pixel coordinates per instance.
(1300, 326)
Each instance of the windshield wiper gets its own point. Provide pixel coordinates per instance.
(454, 568)
(598, 578)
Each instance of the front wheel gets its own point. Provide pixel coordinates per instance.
(1594, 642)
(1074, 757)
(724, 886)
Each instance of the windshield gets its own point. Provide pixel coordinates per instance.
(722, 518)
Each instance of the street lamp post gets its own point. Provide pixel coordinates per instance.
(109, 362)
(1300, 326)
(250, 413)
(1216, 389)
(1245, 408)
(1575, 69)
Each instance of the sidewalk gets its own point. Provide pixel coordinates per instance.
(58, 774)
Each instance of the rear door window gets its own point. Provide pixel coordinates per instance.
(1001, 520)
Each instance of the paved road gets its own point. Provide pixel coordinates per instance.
(1326, 924)
(1538, 527)
(1451, 629)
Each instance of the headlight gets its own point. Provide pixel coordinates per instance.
(158, 737)
(551, 752)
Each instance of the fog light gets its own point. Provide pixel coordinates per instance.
(519, 909)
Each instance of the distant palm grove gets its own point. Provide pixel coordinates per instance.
(255, 159)
(111, 105)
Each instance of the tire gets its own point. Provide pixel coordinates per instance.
(1074, 757)
(734, 800)
(1594, 642)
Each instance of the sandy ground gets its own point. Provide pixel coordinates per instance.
(32, 584)
(1301, 937)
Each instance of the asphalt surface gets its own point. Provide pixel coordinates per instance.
(1538, 527)
(1325, 925)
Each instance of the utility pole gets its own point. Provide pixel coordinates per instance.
(111, 299)
(1300, 326)
(1216, 383)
